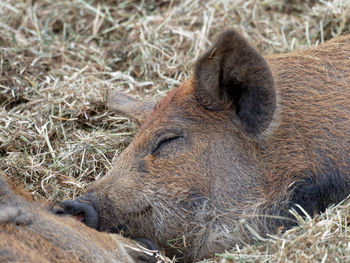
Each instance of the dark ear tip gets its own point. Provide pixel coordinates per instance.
(229, 33)
(229, 37)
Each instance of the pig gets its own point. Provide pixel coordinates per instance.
(31, 232)
(224, 157)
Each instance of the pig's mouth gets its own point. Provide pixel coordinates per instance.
(84, 211)
(87, 214)
(131, 221)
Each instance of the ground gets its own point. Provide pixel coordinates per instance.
(59, 59)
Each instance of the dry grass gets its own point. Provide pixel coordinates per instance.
(325, 238)
(60, 58)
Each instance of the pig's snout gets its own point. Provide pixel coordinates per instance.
(82, 211)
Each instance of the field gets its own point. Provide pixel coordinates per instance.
(59, 59)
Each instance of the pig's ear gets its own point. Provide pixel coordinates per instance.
(136, 110)
(232, 75)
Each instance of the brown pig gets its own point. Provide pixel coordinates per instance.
(223, 157)
(29, 232)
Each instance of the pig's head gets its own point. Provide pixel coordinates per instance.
(193, 166)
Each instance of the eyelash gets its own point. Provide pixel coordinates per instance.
(163, 140)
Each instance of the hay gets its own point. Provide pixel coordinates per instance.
(60, 58)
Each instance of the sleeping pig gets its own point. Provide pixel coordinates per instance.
(222, 158)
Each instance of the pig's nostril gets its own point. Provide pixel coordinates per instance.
(82, 212)
(58, 211)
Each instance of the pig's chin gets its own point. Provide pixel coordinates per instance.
(135, 223)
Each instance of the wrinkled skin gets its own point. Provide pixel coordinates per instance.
(222, 158)
(31, 232)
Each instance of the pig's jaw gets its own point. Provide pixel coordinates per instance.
(127, 224)
(116, 217)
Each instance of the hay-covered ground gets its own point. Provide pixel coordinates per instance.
(59, 59)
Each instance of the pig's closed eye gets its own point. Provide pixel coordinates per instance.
(167, 143)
